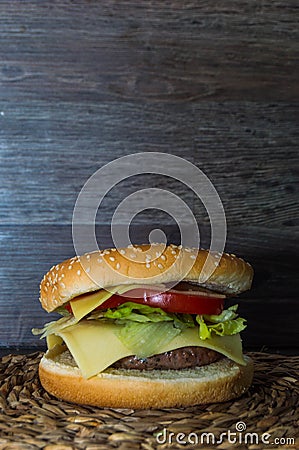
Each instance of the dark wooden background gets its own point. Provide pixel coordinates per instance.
(83, 83)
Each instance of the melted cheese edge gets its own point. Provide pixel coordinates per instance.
(95, 346)
(81, 307)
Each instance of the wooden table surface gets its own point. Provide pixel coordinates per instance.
(83, 83)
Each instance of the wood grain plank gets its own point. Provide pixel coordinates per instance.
(248, 150)
(107, 51)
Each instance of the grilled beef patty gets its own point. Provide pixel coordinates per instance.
(181, 358)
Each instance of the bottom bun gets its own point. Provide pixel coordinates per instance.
(120, 388)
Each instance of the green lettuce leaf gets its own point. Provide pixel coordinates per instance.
(227, 314)
(145, 329)
(147, 339)
(135, 312)
(55, 326)
(225, 324)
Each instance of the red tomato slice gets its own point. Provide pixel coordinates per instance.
(189, 302)
(68, 307)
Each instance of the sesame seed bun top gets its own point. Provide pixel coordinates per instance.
(143, 264)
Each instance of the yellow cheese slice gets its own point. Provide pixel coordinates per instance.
(81, 307)
(53, 340)
(95, 346)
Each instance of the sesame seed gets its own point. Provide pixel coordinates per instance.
(180, 247)
(132, 255)
(45, 288)
(122, 251)
(111, 258)
(69, 267)
(87, 256)
(79, 272)
(188, 249)
(118, 266)
(113, 249)
(147, 265)
(87, 270)
(163, 257)
(62, 275)
(173, 252)
(62, 267)
(48, 284)
(62, 285)
(160, 266)
(193, 256)
(148, 257)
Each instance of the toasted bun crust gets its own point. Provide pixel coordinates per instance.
(216, 382)
(143, 264)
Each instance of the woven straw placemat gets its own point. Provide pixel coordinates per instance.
(32, 419)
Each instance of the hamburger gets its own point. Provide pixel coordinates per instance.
(141, 327)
